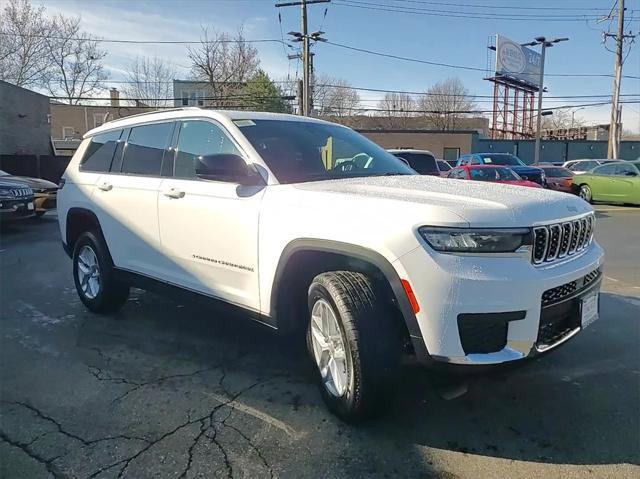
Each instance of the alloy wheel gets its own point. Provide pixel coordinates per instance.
(88, 272)
(329, 349)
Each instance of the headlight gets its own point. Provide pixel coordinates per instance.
(466, 240)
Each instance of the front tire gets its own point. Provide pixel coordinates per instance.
(93, 275)
(585, 193)
(353, 342)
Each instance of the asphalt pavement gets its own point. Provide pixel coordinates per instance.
(163, 389)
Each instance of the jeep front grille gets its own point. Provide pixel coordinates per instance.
(559, 240)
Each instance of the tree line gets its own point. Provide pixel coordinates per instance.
(56, 55)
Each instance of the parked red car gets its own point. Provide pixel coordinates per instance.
(558, 178)
(492, 173)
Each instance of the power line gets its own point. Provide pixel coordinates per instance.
(460, 14)
(503, 7)
(160, 42)
(340, 45)
(460, 67)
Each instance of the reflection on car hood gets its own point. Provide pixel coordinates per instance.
(479, 203)
(35, 183)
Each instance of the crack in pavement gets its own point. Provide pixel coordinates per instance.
(125, 463)
(25, 447)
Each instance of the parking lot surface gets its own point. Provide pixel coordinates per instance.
(164, 389)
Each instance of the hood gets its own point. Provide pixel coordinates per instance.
(480, 204)
(12, 184)
(34, 183)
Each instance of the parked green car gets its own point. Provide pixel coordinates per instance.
(617, 182)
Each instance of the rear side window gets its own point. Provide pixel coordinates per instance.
(145, 149)
(423, 163)
(100, 152)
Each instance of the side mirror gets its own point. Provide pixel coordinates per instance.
(222, 167)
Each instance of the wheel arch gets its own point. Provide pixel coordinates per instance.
(78, 221)
(297, 265)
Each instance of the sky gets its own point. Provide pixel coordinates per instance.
(436, 30)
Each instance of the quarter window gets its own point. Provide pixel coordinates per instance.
(198, 139)
(100, 152)
(145, 149)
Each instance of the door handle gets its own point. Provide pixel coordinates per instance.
(105, 186)
(174, 193)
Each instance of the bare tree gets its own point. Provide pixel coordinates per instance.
(224, 62)
(397, 107)
(562, 118)
(334, 97)
(446, 103)
(150, 81)
(23, 45)
(76, 61)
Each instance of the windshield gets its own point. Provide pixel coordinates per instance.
(503, 159)
(299, 151)
(493, 174)
(557, 172)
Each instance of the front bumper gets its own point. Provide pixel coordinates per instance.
(498, 301)
(16, 208)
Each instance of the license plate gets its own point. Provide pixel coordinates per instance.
(30, 206)
(589, 310)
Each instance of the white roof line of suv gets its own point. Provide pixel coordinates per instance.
(181, 112)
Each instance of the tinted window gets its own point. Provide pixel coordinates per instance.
(625, 169)
(197, 139)
(443, 165)
(557, 172)
(298, 151)
(100, 152)
(502, 159)
(493, 174)
(423, 163)
(606, 170)
(145, 148)
(583, 165)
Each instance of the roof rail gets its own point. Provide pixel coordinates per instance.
(159, 111)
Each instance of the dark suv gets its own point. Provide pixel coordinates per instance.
(16, 200)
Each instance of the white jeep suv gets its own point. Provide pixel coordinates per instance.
(308, 226)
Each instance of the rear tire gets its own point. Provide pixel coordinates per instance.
(93, 275)
(585, 193)
(360, 344)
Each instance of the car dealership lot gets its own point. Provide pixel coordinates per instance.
(172, 390)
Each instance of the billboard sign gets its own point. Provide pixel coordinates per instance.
(518, 63)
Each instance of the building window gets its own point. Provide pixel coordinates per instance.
(68, 132)
(99, 119)
(184, 98)
(451, 154)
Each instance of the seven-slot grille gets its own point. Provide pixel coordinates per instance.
(559, 240)
(20, 192)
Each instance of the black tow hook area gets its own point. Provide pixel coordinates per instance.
(449, 386)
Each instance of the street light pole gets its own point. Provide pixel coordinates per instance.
(545, 44)
(536, 158)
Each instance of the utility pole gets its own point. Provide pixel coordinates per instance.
(612, 149)
(545, 44)
(304, 37)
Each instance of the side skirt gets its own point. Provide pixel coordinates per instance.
(179, 293)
